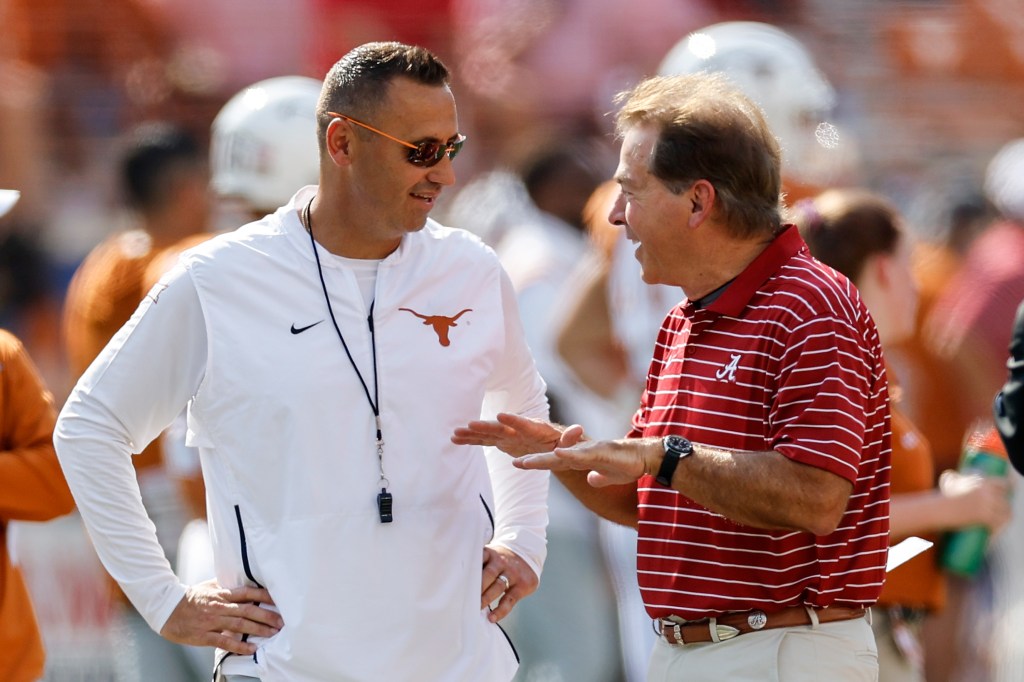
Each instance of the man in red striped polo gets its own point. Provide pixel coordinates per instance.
(757, 469)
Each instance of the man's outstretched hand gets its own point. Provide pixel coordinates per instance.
(511, 433)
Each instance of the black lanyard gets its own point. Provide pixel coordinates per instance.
(384, 498)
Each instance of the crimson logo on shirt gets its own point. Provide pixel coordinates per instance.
(441, 323)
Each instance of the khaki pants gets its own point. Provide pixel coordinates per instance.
(843, 651)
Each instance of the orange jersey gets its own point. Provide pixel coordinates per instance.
(32, 488)
(106, 289)
(919, 583)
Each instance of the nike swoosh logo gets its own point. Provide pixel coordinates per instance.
(299, 330)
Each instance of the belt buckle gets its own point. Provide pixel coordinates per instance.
(757, 619)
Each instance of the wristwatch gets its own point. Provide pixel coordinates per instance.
(676, 447)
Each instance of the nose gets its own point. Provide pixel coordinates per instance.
(617, 216)
(443, 173)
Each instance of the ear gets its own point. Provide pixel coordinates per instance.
(702, 200)
(877, 268)
(339, 141)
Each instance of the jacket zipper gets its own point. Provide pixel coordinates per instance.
(245, 567)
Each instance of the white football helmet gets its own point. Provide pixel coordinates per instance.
(264, 143)
(1004, 180)
(776, 71)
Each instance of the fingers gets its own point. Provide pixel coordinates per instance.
(516, 421)
(506, 580)
(481, 433)
(229, 643)
(550, 461)
(246, 594)
(544, 433)
(493, 565)
(209, 615)
(256, 620)
(513, 434)
(522, 582)
(504, 606)
(495, 591)
(561, 458)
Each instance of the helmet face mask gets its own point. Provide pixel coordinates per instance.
(263, 142)
(777, 72)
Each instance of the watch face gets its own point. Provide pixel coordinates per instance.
(678, 444)
(676, 447)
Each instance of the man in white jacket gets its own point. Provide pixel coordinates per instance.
(324, 354)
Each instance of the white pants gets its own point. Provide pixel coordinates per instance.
(843, 651)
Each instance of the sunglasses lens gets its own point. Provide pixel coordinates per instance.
(455, 147)
(429, 154)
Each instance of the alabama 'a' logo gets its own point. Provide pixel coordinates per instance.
(728, 372)
(442, 324)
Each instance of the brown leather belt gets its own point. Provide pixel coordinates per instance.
(733, 624)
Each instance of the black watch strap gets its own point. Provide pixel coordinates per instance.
(676, 447)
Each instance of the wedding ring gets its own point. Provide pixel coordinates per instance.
(504, 579)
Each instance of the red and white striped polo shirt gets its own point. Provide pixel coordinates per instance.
(786, 359)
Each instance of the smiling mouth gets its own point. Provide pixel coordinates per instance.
(428, 199)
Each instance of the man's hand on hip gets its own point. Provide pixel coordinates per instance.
(507, 579)
(211, 615)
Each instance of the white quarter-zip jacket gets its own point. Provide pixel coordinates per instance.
(240, 332)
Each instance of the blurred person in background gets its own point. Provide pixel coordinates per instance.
(861, 235)
(318, 550)
(931, 398)
(968, 330)
(164, 180)
(32, 488)
(930, 392)
(969, 326)
(546, 240)
(29, 298)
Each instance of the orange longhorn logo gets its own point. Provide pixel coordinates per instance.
(440, 323)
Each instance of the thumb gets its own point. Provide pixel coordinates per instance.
(571, 436)
(596, 479)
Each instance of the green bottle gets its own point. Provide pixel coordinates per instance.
(965, 549)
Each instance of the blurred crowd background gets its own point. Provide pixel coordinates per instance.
(927, 91)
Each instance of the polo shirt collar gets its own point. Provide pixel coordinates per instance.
(742, 289)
